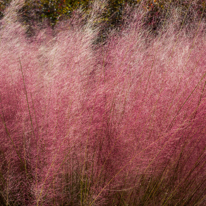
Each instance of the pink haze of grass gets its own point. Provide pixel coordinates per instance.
(79, 123)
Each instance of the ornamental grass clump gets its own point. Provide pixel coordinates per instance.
(119, 123)
(155, 92)
(43, 83)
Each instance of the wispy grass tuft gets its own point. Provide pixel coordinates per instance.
(119, 123)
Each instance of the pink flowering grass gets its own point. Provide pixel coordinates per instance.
(116, 124)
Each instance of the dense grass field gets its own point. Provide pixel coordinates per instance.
(118, 122)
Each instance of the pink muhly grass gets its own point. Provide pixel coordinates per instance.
(121, 124)
(155, 97)
(42, 89)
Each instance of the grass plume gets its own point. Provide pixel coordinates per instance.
(114, 123)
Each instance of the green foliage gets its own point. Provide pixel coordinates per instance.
(3, 5)
(156, 11)
(55, 10)
(52, 10)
